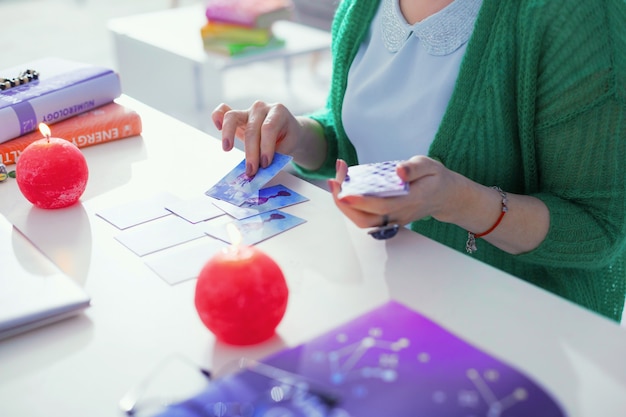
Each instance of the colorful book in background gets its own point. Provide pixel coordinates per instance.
(64, 89)
(212, 31)
(106, 123)
(250, 13)
(239, 48)
(390, 361)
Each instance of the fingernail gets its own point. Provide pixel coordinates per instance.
(264, 161)
(218, 124)
(347, 200)
(249, 169)
(225, 144)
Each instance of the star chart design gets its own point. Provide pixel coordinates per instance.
(346, 365)
(496, 405)
(343, 361)
(389, 362)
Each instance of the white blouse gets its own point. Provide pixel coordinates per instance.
(402, 78)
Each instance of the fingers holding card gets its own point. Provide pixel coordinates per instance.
(236, 187)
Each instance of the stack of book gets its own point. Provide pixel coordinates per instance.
(76, 100)
(237, 27)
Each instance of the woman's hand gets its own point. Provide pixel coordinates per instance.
(432, 190)
(264, 128)
(449, 197)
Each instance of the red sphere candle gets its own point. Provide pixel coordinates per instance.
(51, 172)
(241, 295)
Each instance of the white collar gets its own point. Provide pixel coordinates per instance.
(441, 33)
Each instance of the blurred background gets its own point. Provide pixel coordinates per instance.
(77, 30)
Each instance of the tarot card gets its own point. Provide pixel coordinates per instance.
(378, 179)
(140, 211)
(184, 262)
(236, 187)
(270, 198)
(253, 229)
(159, 234)
(195, 210)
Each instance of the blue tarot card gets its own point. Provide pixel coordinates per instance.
(253, 229)
(237, 187)
(269, 198)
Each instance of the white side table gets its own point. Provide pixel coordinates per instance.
(162, 62)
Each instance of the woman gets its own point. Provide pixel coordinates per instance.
(528, 96)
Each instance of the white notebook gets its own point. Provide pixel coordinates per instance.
(33, 291)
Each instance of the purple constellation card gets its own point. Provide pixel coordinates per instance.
(378, 179)
(389, 362)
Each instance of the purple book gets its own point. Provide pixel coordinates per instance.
(391, 361)
(64, 89)
(248, 13)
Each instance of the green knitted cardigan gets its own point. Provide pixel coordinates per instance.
(539, 108)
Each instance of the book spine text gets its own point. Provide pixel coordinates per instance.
(59, 105)
(107, 123)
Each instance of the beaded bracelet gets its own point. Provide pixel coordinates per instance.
(24, 78)
(470, 245)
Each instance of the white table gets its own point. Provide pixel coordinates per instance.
(335, 271)
(162, 62)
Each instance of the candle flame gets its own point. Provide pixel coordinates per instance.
(45, 130)
(233, 234)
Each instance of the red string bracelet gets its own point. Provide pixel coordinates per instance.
(470, 245)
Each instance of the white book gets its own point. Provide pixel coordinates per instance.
(33, 291)
(64, 89)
